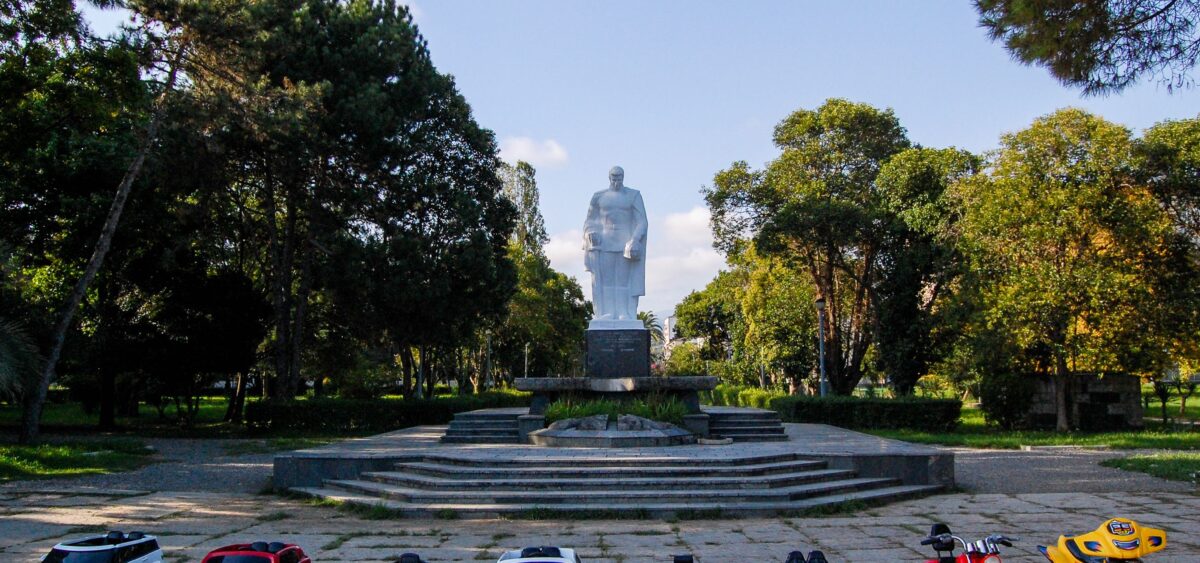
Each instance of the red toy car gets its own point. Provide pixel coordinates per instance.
(258, 552)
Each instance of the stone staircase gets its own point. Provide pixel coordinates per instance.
(487, 426)
(653, 486)
(746, 425)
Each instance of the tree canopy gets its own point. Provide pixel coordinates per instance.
(1101, 46)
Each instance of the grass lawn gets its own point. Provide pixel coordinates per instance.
(1175, 466)
(1191, 413)
(71, 417)
(71, 458)
(972, 432)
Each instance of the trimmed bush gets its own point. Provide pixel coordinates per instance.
(725, 395)
(929, 415)
(1004, 398)
(369, 415)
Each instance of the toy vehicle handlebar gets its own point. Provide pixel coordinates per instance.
(940, 538)
(1002, 540)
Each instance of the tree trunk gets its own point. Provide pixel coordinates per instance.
(34, 402)
(430, 376)
(237, 401)
(420, 388)
(406, 361)
(108, 399)
(282, 257)
(1062, 389)
(297, 331)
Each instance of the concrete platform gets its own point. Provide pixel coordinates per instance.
(413, 472)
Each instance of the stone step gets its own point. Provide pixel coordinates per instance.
(748, 422)
(501, 430)
(568, 470)
(485, 415)
(657, 510)
(765, 415)
(505, 439)
(541, 462)
(759, 438)
(603, 498)
(605, 481)
(484, 425)
(728, 430)
(452, 431)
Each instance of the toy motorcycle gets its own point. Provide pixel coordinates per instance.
(1118, 539)
(986, 550)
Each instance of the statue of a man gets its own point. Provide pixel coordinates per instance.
(614, 244)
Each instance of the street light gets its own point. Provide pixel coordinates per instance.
(821, 344)
(526, 359)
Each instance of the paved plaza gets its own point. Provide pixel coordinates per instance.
(200, 494)
(190, 524)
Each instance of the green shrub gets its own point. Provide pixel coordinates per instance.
(1004, 398)
(663, 408)
(930, 415)
(369, 415)
(726, 395)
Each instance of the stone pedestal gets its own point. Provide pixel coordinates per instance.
(618, 353)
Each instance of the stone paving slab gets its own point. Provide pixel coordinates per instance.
(887, 533)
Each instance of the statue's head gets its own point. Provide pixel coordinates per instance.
(616, 177)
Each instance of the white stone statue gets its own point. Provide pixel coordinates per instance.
(614, 244)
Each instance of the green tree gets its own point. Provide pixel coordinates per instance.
(780, 319)
(713, 314)
(818, 204)
(548, 314)
(1062, 244)
(1169, 161)
(520, 187)
(72, 107)
(919, 261)
(1101, 46)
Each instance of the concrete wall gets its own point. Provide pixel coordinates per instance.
(1112, 401)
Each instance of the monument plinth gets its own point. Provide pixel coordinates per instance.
(618, 353)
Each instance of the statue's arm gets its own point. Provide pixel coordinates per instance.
(590, 225)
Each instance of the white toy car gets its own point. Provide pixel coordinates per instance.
(543, 554)
(113, 547)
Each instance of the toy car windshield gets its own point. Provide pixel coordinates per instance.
(64, 556)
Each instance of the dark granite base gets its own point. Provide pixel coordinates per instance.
(618, 353)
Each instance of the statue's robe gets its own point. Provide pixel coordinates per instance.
(616, 226)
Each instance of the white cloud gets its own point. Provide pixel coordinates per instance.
(565, 251)
(680, 256)
(538, 153)
(670, 277)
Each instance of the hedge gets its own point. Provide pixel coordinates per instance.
(369, 415)
(928, 415)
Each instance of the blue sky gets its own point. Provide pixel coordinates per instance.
(676, 90)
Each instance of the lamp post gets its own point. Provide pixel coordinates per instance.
(821, 344)
(526, 359)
